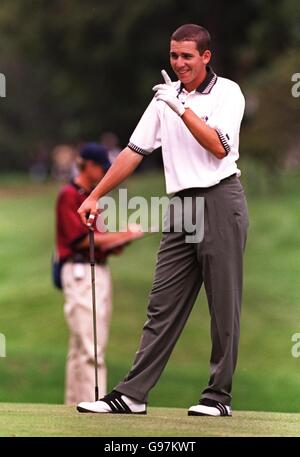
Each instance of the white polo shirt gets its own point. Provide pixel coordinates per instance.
(220, 103)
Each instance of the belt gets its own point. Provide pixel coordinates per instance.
(194, 190)
(226, 179)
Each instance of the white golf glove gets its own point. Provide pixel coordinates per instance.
(168, 94)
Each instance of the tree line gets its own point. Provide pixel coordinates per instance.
(74, 69)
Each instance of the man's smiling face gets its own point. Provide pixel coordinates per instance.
(188, 64)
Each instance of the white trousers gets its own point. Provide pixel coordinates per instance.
(78, 310)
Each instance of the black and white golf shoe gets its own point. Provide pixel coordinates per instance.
(209, 407)
(113, 403)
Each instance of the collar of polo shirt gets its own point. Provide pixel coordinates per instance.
(208, 83)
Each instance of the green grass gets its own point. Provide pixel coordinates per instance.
(31, 311)
(23, 420)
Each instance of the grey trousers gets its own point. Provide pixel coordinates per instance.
(181, 269)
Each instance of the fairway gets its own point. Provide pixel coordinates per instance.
(37, 420)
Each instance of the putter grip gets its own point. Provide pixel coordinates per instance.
(90, 219)
(92, 247)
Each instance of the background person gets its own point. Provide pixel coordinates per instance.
(196, 121)
(63, 162)
(72, 246)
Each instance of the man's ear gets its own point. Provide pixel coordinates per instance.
(206, 56)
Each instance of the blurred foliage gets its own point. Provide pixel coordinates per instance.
(75, 69)
(271, 132)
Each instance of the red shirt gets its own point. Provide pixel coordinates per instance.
(70, 230)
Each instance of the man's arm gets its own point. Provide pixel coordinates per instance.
(204, 134)
(124, 165)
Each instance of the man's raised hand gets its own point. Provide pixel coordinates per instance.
(168, 94)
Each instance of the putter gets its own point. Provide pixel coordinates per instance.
(92, 263)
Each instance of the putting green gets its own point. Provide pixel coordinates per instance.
(40, 420)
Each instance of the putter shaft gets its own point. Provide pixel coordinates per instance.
(92, 263)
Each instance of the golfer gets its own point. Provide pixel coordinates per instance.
(196, 120)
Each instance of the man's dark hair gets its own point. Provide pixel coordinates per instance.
(193, 32)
